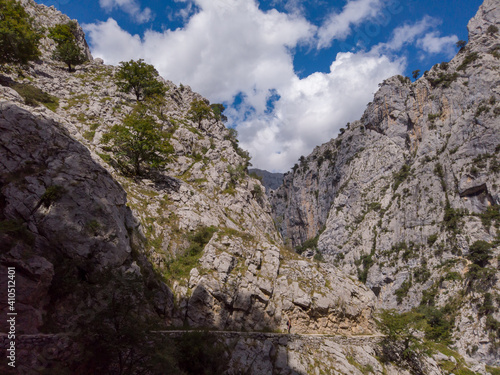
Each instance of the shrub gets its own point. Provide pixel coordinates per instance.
(480, 253)
(400, 176)
(33, 96)
(452, 218)
(461, 44)
(257, 193)
(52, 194)
(492, 29)
(432, 238)
(490, 216)
(444, 80)
(311, 243)
(469, 59)
(183, 264)
(18, 39)
(403, 290)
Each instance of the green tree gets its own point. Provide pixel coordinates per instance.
(18, 39)
(217, 109)
(140, 78)
(139, 140)
(461, 44)
(480, 253)
(199, 111)
(67, 50)
(415, 73)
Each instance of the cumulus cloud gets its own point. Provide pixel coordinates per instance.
(131, 7)
(338, 25)
(433, 43)
(312, 110)
(231, 47)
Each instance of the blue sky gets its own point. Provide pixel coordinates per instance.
(291, 72)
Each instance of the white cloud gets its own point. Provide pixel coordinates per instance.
(433, 43)
(338, 25)
(230, 47)
(313, 109)
(408, 33)
(131, 7)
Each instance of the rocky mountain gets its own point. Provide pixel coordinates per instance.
(270, 180)
(103, 257)
(407, 199)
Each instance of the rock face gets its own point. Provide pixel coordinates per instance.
(63, 222)
(198, 237)
(69, 215)
(400, 198)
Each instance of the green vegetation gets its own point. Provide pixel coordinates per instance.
(443, 80)
(217, 110)
(452, 218)
(490, 216)
(199, 110)
(480, 253)
(139, 78)
(33, 96)
(492, 29)
(311, 243)
(180, 267)
(493, 370)
(469, 59)
(402, 344)
(18, 230)
(461, 44)
(400, 176)
(432, 239)
(415, 74)
(432, 116)
(116, 333)
(403, 290)
(480, 276)
(139, 141)
(257, 193)
(18, 39)
(52, 194)
(201, 352)
(232, 136)
(67, 49)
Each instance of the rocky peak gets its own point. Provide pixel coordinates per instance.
(403, 197)
(479, 26)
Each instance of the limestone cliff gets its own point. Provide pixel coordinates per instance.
(405, 197)
(82, 234)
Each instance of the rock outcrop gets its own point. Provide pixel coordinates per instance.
(72, 222)
(401, 197)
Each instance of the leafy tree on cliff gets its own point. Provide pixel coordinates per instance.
(18, 39)
(139, 141)
(140, 78)
(217, 109)
(67, 50)
(199, 110)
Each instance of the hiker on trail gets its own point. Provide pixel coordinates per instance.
(289, 325)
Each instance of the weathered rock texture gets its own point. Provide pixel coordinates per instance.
(68, 215)
(402, 194)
